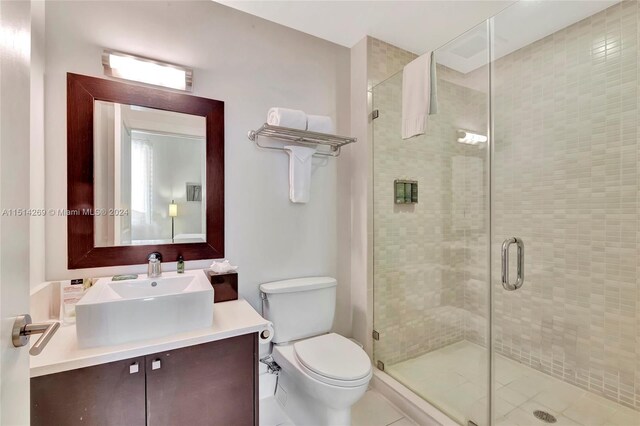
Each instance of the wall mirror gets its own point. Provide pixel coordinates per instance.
(149, 174)
(145, 173)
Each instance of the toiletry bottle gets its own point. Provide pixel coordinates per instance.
(88, 283)
(180, 264)
(72, 292)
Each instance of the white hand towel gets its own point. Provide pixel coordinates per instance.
(285, 117)
(300, 159)
(320, 123)
(419, 98)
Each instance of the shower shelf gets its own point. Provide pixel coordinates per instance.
(304, 137)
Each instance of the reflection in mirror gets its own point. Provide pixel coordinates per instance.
(149, 176)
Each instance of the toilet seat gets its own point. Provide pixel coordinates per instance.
(333, 359)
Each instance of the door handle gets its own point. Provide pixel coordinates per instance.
(505, 263)
(23, 328)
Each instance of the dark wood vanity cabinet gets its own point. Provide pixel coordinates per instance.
(106, 394)
(209, 384)
(212, 384)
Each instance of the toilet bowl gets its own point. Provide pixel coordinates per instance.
(321, 378)
(322, 374)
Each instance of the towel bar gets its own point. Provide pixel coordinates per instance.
(304, 137)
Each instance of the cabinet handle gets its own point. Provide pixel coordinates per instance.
(134, 368)
(156, 364)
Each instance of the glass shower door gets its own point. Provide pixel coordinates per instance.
(431, 285)
(556, 248)
(565, 182)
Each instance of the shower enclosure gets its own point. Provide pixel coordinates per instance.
(509, 293)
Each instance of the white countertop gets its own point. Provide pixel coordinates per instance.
(232, 318)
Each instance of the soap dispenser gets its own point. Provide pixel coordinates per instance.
(180, 264)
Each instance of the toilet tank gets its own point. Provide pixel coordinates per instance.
(300, 307)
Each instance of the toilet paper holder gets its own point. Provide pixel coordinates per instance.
(266, 335)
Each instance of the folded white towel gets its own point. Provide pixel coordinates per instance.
(300, 159)
(285, 117)
(320, 123)
(418, 95)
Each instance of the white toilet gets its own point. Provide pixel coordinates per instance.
(322, 374)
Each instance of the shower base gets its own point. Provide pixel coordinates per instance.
(454, 379)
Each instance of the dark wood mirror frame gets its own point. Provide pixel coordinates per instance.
(82, 91)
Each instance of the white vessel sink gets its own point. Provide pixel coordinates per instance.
(114, 312)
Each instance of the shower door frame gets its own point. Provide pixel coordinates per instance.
(487, 209)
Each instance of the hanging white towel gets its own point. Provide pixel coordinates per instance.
(320, 123)
(419, 98)
(285, 117)
(300, 159)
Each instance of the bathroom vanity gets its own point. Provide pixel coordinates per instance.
(130, 359)
(203, 377)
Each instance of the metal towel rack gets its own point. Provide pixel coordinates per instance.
(304, 137)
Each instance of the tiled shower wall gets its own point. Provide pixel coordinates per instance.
(420, 250)
(566, 182)
(384, 60)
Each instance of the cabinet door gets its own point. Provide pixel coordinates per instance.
(106, 394)
(210, 384)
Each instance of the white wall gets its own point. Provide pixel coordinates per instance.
(104, 170)
(249, 63)
(176, 161)
(186, 164)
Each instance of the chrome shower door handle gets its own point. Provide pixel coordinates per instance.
(505, 263)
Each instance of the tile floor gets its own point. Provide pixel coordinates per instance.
(372, 410)
(454, 380)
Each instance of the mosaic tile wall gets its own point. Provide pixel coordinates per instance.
(384, 60)
(566, 182)
(420, 250)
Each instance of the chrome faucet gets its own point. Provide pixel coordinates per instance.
(155, 265)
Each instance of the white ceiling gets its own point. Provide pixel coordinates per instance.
(424, 25)
(417, 26)
(513, 28)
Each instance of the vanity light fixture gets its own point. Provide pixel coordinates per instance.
(149, 71)
(470, 138)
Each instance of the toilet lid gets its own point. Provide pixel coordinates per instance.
(333, 356)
